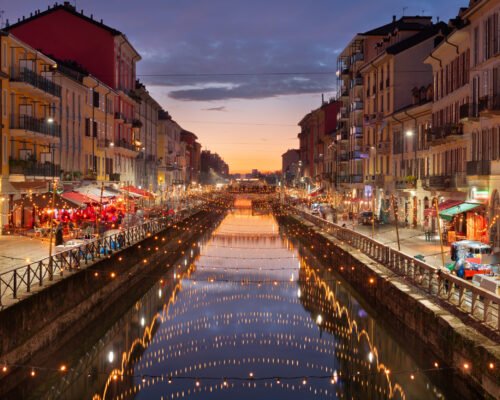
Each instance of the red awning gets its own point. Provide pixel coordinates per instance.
(431, 211)
(141, 192)
(81, 199)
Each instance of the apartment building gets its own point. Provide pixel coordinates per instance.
(316, 153)
(72, 36)
(481, 115)
(146, 132)
(365, 93)
(398, 85)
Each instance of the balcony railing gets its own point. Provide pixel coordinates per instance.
(33, 168)
(357, 57)
(343, 135)
(344, 157)
(38, 125)
(356, 179)
(357, 82)
(438, 181)
(469, 110)
(481, 167)
(384, 147)
(489, 104)
(26, 75)
(125, 145)
(357, 106)
(443, 132)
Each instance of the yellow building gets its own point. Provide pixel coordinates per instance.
(98, 142)
(30, 130)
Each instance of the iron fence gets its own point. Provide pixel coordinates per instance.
(22, 280)
(462, 295)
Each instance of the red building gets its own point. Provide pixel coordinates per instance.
(316, 137)
(106, 53)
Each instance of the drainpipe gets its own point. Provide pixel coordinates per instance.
(452, 44)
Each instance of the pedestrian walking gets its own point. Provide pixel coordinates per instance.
(59, 235)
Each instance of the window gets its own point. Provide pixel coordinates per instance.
(476, 45)
(4, 103)
(4, 55)
(87, 126)
(5, 149)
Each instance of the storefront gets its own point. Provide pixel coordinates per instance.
(466, 220)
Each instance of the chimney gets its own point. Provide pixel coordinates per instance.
(91, 16)
(101, 20)
(322, 98)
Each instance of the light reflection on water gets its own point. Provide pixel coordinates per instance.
(249, 304)
(254, 320)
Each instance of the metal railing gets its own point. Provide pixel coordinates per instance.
(21, 74)
(39, 125)
(33, 168)
(463, 296)
(22, 280)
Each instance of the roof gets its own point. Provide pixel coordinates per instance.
(406, 23)
(69, 8)
(420, 37)
(44, 200)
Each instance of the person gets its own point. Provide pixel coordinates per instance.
(59, 235)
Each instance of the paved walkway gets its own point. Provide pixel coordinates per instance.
(16, 251)
(412, 242)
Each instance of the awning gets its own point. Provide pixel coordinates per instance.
(449, 213)
(44, 200)
(95, 192)
(136, 190)
(431, 211)
(80, 198)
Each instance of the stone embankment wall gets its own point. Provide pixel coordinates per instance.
(448, 337)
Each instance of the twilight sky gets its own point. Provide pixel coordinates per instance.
(241, 74)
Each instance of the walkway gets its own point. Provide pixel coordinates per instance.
(412, 242)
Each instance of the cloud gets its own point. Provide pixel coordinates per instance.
(221, 108)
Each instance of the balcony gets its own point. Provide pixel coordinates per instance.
(469, 112)
(481, 167)
(30, 127)
(356, 179)
(384, 147)
(342, 114)
(358, 57)
(405, 184)
(357, 82)
(359, 155)
(357, 106)
(438, 182)
(104, 143)
(119, 116)
(343, 135)
(444, 133)
(38, 82)
(489, 104)
(124, 144)
(32, 168)
(345, 71)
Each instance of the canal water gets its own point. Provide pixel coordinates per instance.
(247, 314)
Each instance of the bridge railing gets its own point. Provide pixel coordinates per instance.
(462, 295)
(20, 281)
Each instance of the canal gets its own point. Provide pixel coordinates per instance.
(248, 313)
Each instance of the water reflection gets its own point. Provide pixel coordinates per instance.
(252, 318)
